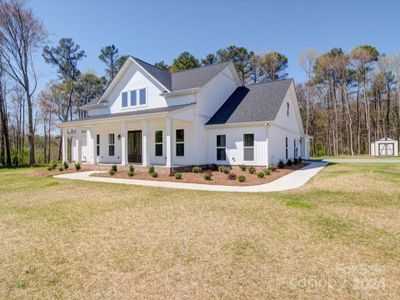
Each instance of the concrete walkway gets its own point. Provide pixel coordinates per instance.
(293, 180)
(362, 160)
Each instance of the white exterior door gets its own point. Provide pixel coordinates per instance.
(386, 149)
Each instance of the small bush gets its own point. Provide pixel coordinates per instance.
(231, 176)
(50, 167)
(130, 174)
(295, 161)
(243, 167)
(289, 162)
(281, 165)
(223, 169)
(60, 168)
(242, 178)
(300, 159)
(207, 176)
(54, 165)
(153, 174)
(267, 172)
(260, 174)
(273, 168)
(131, 171)
(111, 172)
(252, 170)
(196, 169)
(178, 175)
(66, 165)
(151, 169)
(77, 166)
(114, 168)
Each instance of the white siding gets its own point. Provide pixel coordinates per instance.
(234, 145)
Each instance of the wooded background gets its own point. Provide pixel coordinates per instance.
(349, 99)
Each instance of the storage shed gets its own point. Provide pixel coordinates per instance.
(385, 147)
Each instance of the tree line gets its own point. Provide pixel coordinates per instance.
(347, 100)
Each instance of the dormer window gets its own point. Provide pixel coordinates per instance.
(137, 97)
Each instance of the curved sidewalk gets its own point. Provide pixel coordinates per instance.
(291, 181)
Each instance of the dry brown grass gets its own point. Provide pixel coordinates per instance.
(62, 239)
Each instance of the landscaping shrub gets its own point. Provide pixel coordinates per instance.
(54, 165)
(272, 168)
(295, 161)
(267, 172)
(178, 175)
(151, 169)
(50, 167)
(77, 166)
(231, 176)
(300, 159)
(131, 171)
(281, 165)
(260, 174)
(207, 176)
(60, 168)
(114, 168)
(243, 167)
(153, 174)
(66, 165)
(242, 178)
(252, 170)
(196, 169)
(223, 169)
(289, 162)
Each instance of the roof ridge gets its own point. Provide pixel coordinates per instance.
(270, 81)
(202, 67)
(147, 63)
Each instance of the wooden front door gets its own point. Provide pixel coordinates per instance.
(135, 146)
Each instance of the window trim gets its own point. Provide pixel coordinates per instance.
(129, 98)
(158, 143)
(248, 147)
(111, 144)
(220, 147)
(97, 144)
(179, 142)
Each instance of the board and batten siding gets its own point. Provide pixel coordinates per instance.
(234, 145)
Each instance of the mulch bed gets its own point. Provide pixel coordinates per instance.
(217, 178)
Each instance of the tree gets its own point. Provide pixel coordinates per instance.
(210, 59)
(240, 57)
(274, 65)
(363, 58)
(184, 61)
(21, 33)
(88, 87)
(109, 56)
(257, 72)
(120, 62)
(5, 157)
(65, 57)
(162, 65)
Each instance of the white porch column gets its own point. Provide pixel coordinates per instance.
(168, 135)
(64, 145)
(145, 143)
(93, 143)
(79, 144)
(124, 144)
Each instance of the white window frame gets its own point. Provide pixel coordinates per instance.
(111, 144)
(220, 147)
(98, 144)
(129, 98)
(180, 142)
(158, 143)
(249, 147)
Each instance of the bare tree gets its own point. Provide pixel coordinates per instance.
(6, 148)
(21, 33)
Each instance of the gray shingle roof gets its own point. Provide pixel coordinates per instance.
(188, 79)
(252, 103)
(134, 113)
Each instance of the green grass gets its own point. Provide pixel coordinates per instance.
(75, 239)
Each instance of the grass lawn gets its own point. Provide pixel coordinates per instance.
(360, 156)
(337, 237)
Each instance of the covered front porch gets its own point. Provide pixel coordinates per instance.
(161, 139)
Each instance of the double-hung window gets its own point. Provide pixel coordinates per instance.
(158, 143)
(98, 145)
(180, 142)
(111, 144)
(221, 147)
(142, 96)
(133, 98)
(248, 149)
(287, 148)
(124, 99)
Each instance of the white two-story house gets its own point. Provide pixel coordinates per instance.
(201, 116)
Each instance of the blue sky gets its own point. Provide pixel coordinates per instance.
(160, 30)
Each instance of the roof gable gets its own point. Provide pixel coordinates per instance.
(252, 103)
